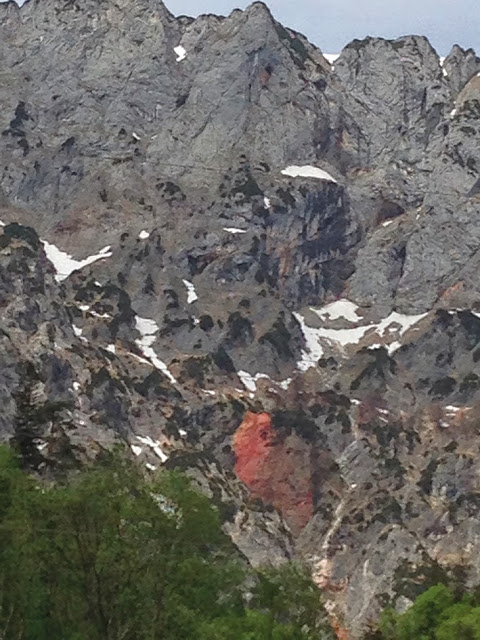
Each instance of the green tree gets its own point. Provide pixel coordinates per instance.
(109, 555)
(459, 622)
(421, 620)
(436, 615)
(291, 598)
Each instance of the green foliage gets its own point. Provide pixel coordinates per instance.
(110, 555)
(437, 614)
(290, 597)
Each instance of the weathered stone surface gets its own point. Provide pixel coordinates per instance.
(276, 468)
(306, 348)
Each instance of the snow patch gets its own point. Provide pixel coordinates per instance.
(112, 349)
(402, 320)
(394, 346)
(307, 171)
(155, 446)
(143, 235)
(395, 324)
(151, 467)
(64, 264)
(76, 386)
(249, 381)
(314, 350)
(339, 309)
(148, 329)
(452, 409)
(331, 57)
(192, 294)
(234, 230)
(345, 336)
(181, 53)
(136, 450)
(267, 203)
(77, 331)
(387, 223)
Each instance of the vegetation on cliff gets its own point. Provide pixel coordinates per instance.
(437, 614)
(109, 554)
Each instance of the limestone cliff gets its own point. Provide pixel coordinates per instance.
(244, 262)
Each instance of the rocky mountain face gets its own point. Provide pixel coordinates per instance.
(246, 263)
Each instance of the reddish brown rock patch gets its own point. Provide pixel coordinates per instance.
(340, 632)
(276, 468)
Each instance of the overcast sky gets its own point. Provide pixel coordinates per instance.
(331, 24)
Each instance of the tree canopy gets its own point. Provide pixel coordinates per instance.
(437, 614)
(109, 554)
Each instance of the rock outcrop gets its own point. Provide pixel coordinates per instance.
(276, 468)
(241, 261)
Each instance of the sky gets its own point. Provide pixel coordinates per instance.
(331, 24)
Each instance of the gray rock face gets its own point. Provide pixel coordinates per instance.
(404, 74)
(260, 241)
(461, 66)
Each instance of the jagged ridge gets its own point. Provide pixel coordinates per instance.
(197, 318)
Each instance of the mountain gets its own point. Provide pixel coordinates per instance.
(256, 266)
